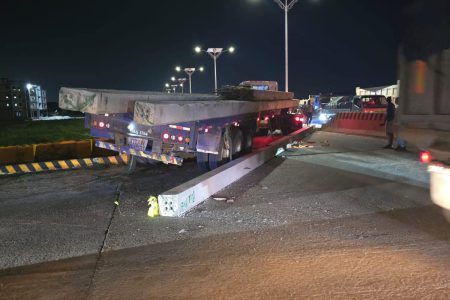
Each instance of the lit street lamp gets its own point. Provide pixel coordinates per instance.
(215, 53)
(182, 81)
(167, 87)
(286, 5)
(189, 72)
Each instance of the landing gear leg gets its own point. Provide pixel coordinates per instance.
(131, 163)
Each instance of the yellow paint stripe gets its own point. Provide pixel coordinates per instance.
(50, 165)
(10, 169)
(24, 168)
(63, 164)
(37, 167)
(113, 160)
(88, 161)
(75, 163)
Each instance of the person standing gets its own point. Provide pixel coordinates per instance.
(309, 110)
(389, 123)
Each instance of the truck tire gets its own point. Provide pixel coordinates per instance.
(237, 141)
(248, 141)
(224, 155)
(263, 131)
(131, 163)
(202, 161)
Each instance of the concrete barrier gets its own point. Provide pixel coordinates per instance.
(62, 165)
(63, 150)
(358, 123)
(181, 199)
(52, 151)
(14, 154)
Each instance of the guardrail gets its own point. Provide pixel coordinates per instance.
(358, 123)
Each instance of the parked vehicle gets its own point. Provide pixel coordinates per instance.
(370, 103)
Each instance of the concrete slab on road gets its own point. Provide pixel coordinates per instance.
(314, 224)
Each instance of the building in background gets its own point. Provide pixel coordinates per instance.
(20, 101)
(387, 91)
(37, 101)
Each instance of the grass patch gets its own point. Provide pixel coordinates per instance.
(25, 133)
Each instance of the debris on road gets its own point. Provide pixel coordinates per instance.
(220, 198)
(182, 231)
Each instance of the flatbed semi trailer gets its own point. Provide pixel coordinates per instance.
(164, 127)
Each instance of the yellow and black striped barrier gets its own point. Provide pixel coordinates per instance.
(164, 158)
(62, 164)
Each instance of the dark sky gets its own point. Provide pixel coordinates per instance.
(335, 45)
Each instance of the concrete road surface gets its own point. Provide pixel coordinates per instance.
(336, 217)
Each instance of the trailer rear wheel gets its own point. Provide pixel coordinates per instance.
(224, 153)
(202, 161)
(238, 140)
(131, 163)
(248, 141)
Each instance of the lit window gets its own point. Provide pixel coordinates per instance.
(15, 104)
(7, 104)
(15, 97)
(7, 97)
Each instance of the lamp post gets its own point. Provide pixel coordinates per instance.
(167, 87)
(189, 72)
(182, 81)
(215, 53)
(286, 5)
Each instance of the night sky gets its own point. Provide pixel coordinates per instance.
(335, 45)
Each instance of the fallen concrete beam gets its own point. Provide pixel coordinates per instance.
(181, 199)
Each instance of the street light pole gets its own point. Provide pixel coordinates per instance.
(215, 71)
(181, 81)
(215, 53)
(189, 72)
(286, 6)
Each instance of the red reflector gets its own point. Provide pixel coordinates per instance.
(101, 124)
(425, 157)
(166, 136)
(180, 139)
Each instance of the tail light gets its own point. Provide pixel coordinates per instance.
(101, 124)
(165, 136)
(266, 119)
(257, 119)
(425, 157)
(206, 130)
(180, 139)
(298, 119)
